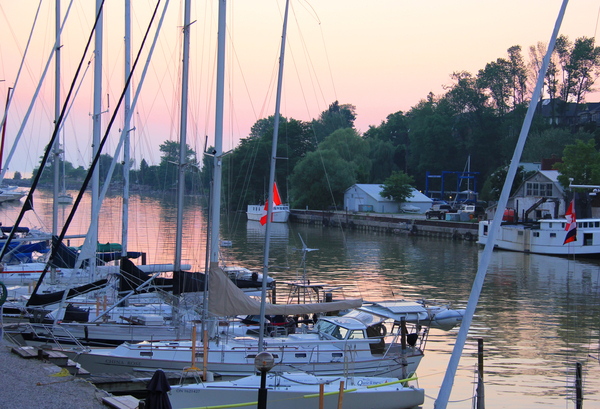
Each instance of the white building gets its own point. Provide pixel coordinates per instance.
(367, 198)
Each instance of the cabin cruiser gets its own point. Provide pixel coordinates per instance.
(545, 236)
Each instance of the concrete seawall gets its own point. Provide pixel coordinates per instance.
(387, 223)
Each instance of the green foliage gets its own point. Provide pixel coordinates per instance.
(312, 186)
(246, 170)
(581, 163)
(17, 175)
(335, 117)
(321, 178)
(168, 169)
(550, 142)
(398, 187)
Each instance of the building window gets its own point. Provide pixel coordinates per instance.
(538, 189)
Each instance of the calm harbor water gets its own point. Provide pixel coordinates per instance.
(538, 315)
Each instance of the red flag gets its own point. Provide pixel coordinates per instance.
(571, 227)
(276, 202)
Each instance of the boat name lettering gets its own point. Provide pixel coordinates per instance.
(122, 362)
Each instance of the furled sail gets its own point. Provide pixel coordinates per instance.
(226, 299)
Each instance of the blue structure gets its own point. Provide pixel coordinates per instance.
(461, 176)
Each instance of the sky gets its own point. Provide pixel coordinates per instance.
(382, 57)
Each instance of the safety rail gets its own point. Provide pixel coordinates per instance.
(58, 334)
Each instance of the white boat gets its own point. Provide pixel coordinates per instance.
(369, 337)
(11, 195)
(281, 213)
(298, 390)
(545, 236)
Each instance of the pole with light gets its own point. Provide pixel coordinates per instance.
(263, 362)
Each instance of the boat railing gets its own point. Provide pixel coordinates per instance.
(58, 334)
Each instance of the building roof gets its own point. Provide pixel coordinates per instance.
(551, 174)
(375, 192)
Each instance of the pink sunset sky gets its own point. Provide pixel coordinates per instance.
(380, 56)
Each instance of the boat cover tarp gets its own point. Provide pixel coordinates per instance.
(116, 255)
(65, 257)
(40, 246)
(109, 247)
(132, 277)
(231, 301)
(8, 229)
(46, 299)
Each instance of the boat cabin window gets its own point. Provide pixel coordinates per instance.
(339, 332)
(356, 334)
(519, 233)
(332, 329)
(563, 225)
(536, 234)
(552, 234)
(588, 239)
(596, 224)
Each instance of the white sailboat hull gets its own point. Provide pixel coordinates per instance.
(236, 358)
(299, 391)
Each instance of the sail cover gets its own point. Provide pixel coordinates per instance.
(226, 299)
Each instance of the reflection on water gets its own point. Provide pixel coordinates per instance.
(538, 315)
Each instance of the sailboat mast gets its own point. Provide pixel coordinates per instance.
(182, 143)
(271, 183)
(484, 261)
(126, 124)
(56, 150)
(97, 124)
(56, 115)
(217, 166)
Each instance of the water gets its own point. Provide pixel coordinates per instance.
(538, 315)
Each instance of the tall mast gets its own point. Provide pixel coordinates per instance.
(57, 141)
(126, 124)
(216, 196)
(484, 261)
(182, 137)
(97, 126)
(271, 183)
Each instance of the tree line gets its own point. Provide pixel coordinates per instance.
(478, 116)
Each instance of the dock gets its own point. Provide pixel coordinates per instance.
(403, 223)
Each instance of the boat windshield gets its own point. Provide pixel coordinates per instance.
(329, 328)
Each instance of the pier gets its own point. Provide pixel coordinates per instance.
(405, 223)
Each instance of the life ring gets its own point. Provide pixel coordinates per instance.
(380, 329)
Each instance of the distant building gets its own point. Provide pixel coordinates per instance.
(559, 113)
(367, 198)
(544, 187)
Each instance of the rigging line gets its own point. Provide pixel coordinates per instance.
(22, 59)
(597, 18)
(29, 202)
(310, 64)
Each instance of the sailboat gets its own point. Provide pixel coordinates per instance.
(297, 390)
(293, 390)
